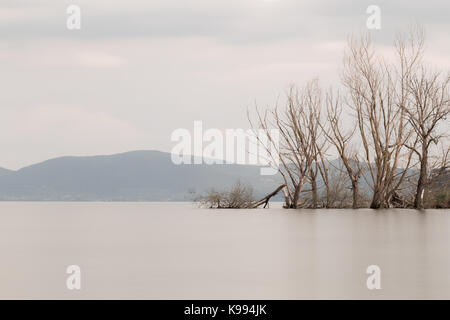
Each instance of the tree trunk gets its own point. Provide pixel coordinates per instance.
(355, 192)
(314, 193)
(287, 198)
(421, 183)
(376, 200)
(294, 203)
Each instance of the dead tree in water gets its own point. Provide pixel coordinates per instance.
(297, 150)
(266, 199)
(430, 105)
(239, 197)
(312, 120)
(341, 140)
(378, 95)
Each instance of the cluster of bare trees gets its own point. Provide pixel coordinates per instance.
(385, 124)
(238, 197)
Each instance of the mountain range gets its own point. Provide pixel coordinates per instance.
(130, 176)
(4, 171)
(145, 175)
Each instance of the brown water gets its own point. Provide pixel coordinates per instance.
(178, 251)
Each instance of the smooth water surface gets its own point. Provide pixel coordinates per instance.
(180, 251)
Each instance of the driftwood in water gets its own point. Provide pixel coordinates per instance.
(266, 199)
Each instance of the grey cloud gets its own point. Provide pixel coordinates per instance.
(161, 64)
(230, 21)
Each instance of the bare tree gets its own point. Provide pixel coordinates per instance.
(211, 199)
(239, 196)
(397, 107)
(341, 139)
(297, 149)
(337, 195)
(311, 107)
(430, 105)
(378, 95)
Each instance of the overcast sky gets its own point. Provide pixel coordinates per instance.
(137, 70)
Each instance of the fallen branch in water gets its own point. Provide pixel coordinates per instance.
(266, 199)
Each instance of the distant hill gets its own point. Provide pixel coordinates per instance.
(4, 171)
(131, 176)
(437, 194)
(138, 176)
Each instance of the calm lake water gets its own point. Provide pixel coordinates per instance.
(179, 251)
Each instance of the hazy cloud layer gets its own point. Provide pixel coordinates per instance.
(137, 70)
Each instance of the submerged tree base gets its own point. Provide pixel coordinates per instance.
(239, 197)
